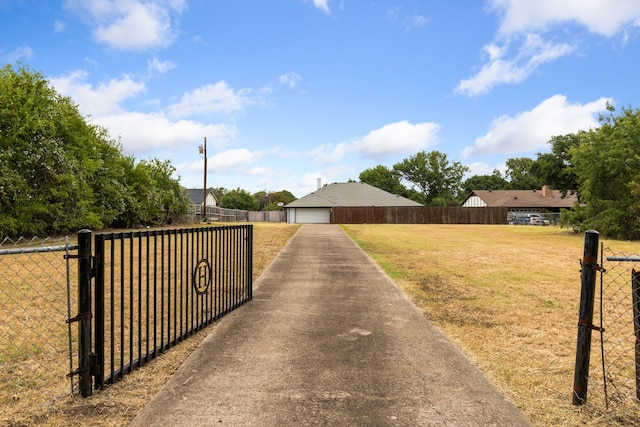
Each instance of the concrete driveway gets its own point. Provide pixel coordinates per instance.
(329, 340)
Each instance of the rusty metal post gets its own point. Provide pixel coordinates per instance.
(84, 315)
(585, 322)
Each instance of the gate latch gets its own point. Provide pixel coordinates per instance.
(79, 317)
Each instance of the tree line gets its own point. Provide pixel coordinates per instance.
(61, 173)
(260, 201)
(600, 165)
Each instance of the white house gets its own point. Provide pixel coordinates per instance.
(196, 196)
(316, 207)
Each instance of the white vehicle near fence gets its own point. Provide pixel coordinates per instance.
(528, 219)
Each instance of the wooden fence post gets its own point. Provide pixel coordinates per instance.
(585, 321)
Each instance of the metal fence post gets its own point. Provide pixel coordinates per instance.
(585, 322)
(84, 316)
(635, 289)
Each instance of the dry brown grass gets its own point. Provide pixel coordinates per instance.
(35, 404)
(508, 296)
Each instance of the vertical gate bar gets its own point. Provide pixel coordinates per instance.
(240, 269)
(162, 302)
(168, 237)
(217, 273)
(243, 253)
(138, 330)
(585, 321)
(176, 286)
(237, 264)
(196, 260)
(147, 296)
(181, 283)
(229, 270)
(84, 309)
(155, 287)
(112, 303)
(122, 304)
(99, 312)
(185, 279)
(131, 292)
(250, 263)
(635, 287)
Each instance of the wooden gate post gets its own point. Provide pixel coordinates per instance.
(585, 322)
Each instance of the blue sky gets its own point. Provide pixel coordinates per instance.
(289, 91)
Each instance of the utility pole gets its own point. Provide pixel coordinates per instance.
(203, 150)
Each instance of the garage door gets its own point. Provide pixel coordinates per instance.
(312, 215)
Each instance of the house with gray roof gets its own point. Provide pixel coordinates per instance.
(316, 207)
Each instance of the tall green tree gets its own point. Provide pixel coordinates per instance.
(279, 197)
(268, 200)
(385, 179)
(49, 155)
(606, 162)
(239, 199)
(555, 168)
(495, 181)
(521, 174)
(438, 179)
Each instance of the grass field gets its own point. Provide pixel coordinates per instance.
(508, 296)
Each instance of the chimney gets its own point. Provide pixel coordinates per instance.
(319, 183)
(547, 192)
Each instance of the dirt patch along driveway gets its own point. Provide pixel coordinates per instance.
(329, 339)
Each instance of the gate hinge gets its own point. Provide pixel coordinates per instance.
(76, 372)
(582, 322)
(592, 262)
(93, 369)
(79, 317)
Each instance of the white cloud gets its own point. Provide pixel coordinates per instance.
(525, 25)
(290, 79)
(531, 130)
(21, 53)
(399, 137)
(215, 98)
(143, 133)
(322, 5)
(130, 24)
(101, 100)
(155, 66)
(409, 21)
(395, 138)
(328, 154)
(532, 53)
(604, 17)
(140, 133)
(229, 161)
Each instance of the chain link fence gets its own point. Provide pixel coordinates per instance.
(35, 297)
(619, 375)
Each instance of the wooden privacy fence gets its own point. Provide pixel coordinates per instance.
(418, 215)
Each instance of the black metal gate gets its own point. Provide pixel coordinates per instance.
(152, 290)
